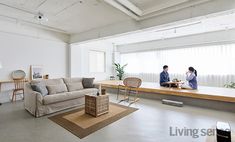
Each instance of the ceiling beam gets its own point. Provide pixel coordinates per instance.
(131, 6)
(119, 6)
(42, 3)
(164, 5)
(33, 24)
(174, 8)
(18, 9)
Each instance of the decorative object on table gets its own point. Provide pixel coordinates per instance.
(96, 105)
(36, 72)
(120, 70)
(131, 86)
(223, 132)
(82, 125)
(18, 74)
(19, 88)
(176, 80)
(46, 76)
(112, 77)
(97, 94)
(230, 85)
(88, 82)
(103, 91)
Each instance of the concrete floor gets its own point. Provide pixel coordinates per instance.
(151, 123)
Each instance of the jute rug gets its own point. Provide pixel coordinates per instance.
(81, 124)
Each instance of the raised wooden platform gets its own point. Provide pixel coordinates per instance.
(203, 92)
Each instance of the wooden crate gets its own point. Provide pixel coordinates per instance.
(96, 105)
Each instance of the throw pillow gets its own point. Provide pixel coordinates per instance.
(54, 89)
(39, 87)
(74, 86)
(88, 82)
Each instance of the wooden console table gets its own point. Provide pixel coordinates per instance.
(1, 82)
(7, 81)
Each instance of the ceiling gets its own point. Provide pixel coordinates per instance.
(143, 9)
(145, 4)
(77, 16)
(70, 16)
(205, 24)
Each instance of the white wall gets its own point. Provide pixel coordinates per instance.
(22, 46)
(17, 52)
(80, 60)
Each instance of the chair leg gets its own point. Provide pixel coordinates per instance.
(118, 93)
(13, 94)
(125, 98)
(23, 94)
(136, 99)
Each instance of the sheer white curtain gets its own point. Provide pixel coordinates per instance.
(215, 64)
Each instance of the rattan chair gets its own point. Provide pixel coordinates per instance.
(19, 88)
(130, 87)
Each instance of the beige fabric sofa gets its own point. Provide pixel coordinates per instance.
(39, 105)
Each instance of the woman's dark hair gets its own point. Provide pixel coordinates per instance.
(165, 66)
(193, 70)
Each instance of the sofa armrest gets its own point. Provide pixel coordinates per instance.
(31, 99)
(30, 93)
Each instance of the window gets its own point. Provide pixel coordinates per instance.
(208, 60)
(215, 64)
(97, 61)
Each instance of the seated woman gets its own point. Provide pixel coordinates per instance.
(191, 77)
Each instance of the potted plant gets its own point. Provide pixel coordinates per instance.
(119, 70)
(230, 85)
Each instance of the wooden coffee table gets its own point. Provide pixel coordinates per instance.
(96, 105)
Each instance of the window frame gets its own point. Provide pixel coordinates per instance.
(104, 68)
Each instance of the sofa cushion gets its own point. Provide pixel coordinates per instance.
(50, 99)
(39, 87)
(55, 89)
(55, 98)
(74, 86)
(72, 80)
(53, 81)
(88, 82)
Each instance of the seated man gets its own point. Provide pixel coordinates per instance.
(164, 76)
